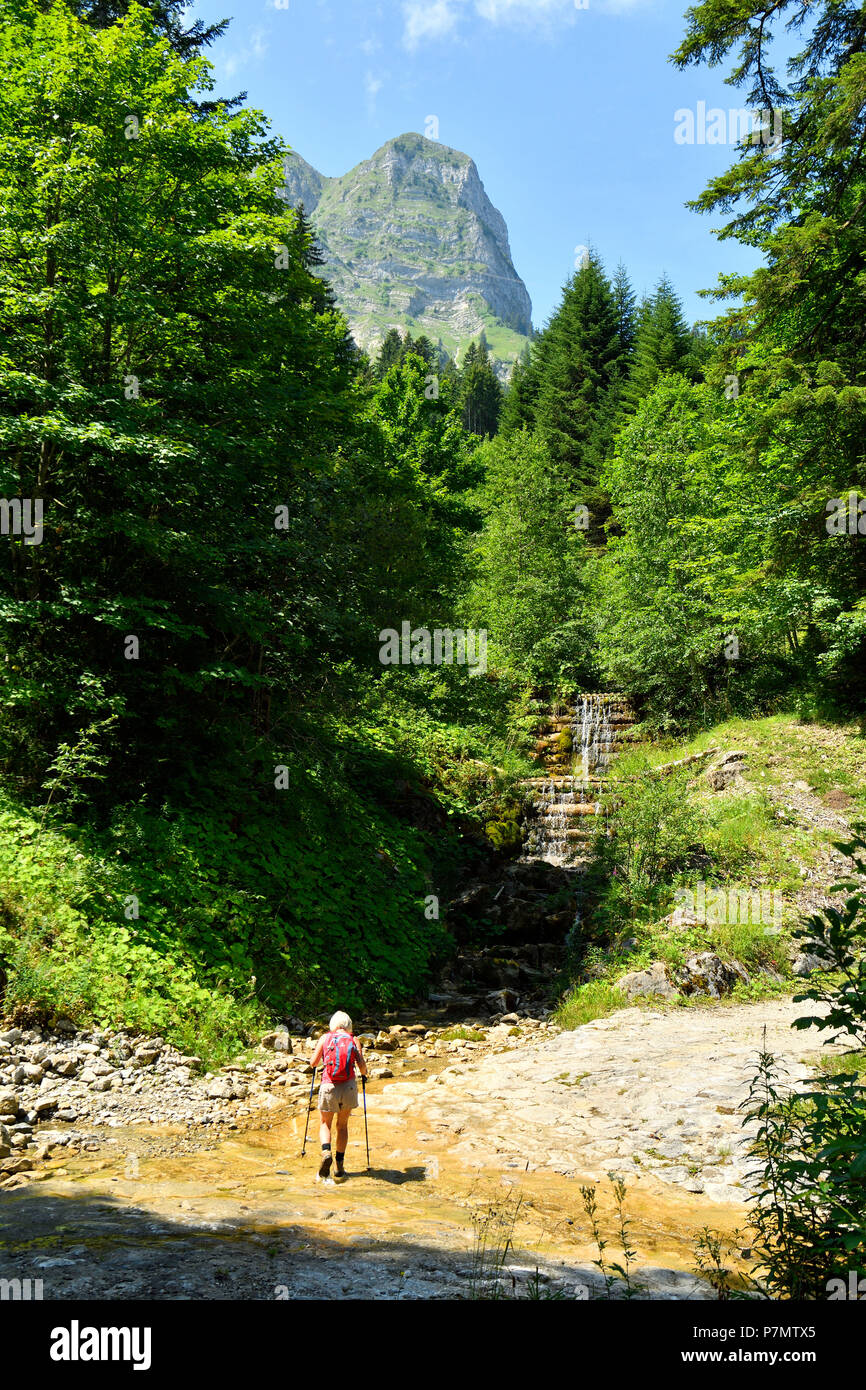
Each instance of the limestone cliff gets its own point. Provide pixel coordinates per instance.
(412, 241)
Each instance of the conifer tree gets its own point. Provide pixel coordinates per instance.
(626, 312)
(663, 343)
(580, 367)
(390, 353)
(518, 406)
(480, 391)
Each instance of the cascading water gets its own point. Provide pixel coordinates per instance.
(561, 804)
(593, 736)
(576, 752)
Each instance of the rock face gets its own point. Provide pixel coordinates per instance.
(412, 241)
(653, 981)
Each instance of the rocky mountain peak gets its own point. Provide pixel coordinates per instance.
(412, 241)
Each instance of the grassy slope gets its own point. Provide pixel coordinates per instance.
(774, 830)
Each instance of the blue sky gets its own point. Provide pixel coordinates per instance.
(567, 112)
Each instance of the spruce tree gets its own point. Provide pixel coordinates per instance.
(580, 366)
(663, 343)
(390, 353)
(626, 311)
(480, 391)
(167, 16)
(518, 406)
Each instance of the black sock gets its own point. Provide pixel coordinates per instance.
(340, 1157)
(326, 1146)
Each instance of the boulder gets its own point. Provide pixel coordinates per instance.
(145, 1055)
(64, 1065)
(44, 1105)
(15, 1165)
(806, 963)
(501, 1001)
(652, 981)
(706, 973)
(8, 1103)
(729, 766)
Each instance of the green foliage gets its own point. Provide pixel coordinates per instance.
(528, 563)
(662, 343)
(580, 364)
(810, 1142)
(655, 831)
(518, 406)
(582, 1003)
(480, 392)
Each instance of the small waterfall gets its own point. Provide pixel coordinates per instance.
(593, 735)
(547, 838)
(574, 750)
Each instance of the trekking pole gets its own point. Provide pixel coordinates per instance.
(366, 1135)
(309, 1109)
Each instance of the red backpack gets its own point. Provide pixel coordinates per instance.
(338, 1057)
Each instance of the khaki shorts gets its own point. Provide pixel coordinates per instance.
(335, 1096)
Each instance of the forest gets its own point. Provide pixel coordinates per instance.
(218, 806)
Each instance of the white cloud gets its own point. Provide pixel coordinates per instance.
(370, 46)
(255, 48)
(435, 19)
(499, 11)
(428, 19)
(372, 87)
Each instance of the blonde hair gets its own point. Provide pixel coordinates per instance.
(340, 1020)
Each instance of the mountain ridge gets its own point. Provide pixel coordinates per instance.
(412, 241)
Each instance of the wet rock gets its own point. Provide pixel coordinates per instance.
(653, 981)
(21, 1164)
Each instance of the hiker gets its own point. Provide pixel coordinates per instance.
(338, 1052)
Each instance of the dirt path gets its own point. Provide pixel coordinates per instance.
(650, 1095)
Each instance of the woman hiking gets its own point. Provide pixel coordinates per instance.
(338, 1052)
